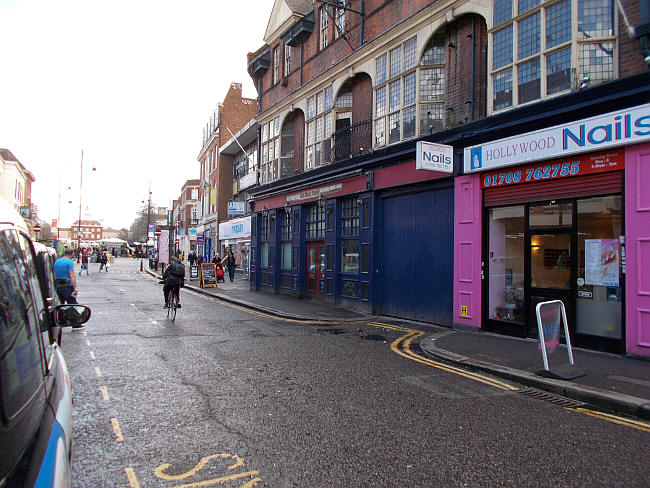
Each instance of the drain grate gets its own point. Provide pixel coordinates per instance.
(552, 398)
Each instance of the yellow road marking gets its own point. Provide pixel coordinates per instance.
(402, 346)
(133, 479)
(98, 372)
(160, 472)
(405, 342)
(92, 355)
(117, 430)
(223, 479)
(252, 483)
(635, 424)
(104, 391)
(265, 315)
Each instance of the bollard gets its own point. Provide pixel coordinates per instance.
(141, 268)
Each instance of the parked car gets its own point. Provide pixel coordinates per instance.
(35, 394)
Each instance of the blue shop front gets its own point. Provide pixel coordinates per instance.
(378, 241)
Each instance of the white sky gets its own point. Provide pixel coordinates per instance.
(132, 83)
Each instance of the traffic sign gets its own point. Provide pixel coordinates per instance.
(157, 232)
(36, 228)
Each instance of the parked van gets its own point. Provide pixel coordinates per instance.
(35, 395)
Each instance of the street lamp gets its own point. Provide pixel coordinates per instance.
(146, 232)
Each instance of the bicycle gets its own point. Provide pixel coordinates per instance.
(173, 303)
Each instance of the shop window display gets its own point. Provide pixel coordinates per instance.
(506, 263)
(598, 302)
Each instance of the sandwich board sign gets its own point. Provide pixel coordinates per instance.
(208, 278)
(550, 317)
(194, 272)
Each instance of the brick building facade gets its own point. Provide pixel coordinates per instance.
(344, 211)
(216, 178)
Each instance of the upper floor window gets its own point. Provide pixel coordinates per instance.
(270, 151)
(287, 60)
(432, 85)
(276, 64)
(324, 25)
(318, 140)
(339, 22)
(395, 93)
(543, 47)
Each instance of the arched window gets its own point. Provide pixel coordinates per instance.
(286, 146)
(432, 85)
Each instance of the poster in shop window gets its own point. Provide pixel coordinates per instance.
(602, 259)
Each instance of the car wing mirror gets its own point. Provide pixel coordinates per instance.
(69, 315)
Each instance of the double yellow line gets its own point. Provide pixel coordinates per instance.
(402, 346)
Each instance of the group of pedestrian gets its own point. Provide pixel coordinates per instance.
(229, 262)
(103, 258)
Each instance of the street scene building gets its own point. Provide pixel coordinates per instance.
(356, 99)
(16, 185)
(216, 178)
(185, 215)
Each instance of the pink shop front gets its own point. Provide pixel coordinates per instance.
(568, 220)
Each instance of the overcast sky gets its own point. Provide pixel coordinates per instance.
(132, 83)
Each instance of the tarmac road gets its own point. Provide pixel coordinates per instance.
(227, 397)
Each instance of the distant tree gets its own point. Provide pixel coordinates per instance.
(45, 235)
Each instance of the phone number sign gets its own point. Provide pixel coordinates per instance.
(556, 169)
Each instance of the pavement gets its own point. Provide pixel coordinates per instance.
(612, 382)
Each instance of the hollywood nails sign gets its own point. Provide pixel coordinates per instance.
(595, 133)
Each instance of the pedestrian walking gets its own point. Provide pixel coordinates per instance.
(230, 264)
(84, 263)
(65, 280)
(103, 260)
(108, 261)
(192, 258)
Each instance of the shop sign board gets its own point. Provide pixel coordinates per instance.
(235, 228)
(236, 208)
(628, 126)
(315, 192)
(163, 246)
(556, 169)
(434, 157)
(550, 316)
(248, 180)
(199, 238)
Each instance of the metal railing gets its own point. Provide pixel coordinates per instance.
(351, 141)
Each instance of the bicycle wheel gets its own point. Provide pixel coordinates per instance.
(173, 302)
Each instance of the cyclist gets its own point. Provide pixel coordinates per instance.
(173, 277)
